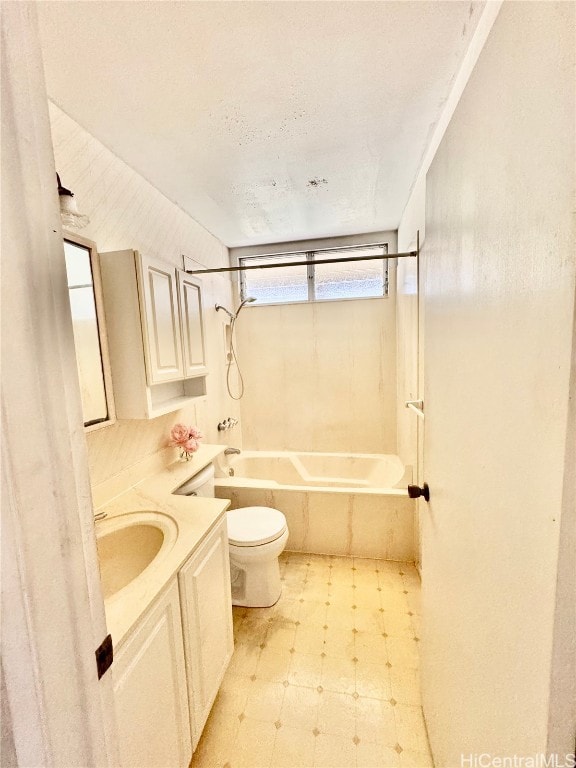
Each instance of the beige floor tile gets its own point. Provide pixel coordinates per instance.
(211, 753)
(375, 721)
(280, 638)
(339, 643)
(411, 728)
(394, 601)
(254, 745)
(391, 567)
(409, 759)
(414, 602)
(338, 675)
(238, 612)
(373, 680)
(244, 660)
(294, 693)
(273, 665)
(372, 755)
(232, 697)
(312, 613)
(405, 684)
(412, 580)
(341, 596)
(287, 610)
(300, 707)
(368, 598)
(337, 714)
(369, 620)
(293, 748)
(398, 624)
(251, 635)
(264, 701)
(366, 579)
(318, 593)
(391, 580)
(402, 653)
(370, 648)
(341, 618)
(334, 752)
(309, 639)
(305, 669)
(367, 564)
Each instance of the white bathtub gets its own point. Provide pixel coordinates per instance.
(340, 504)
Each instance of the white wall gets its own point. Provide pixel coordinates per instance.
(127, 212)
(499, 302)
(320, 376)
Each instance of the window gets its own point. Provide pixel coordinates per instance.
(312, 281)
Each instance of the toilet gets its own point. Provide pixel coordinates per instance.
(256, 537)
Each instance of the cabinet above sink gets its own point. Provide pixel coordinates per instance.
(156, 334)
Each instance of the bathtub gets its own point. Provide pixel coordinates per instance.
(334, 503)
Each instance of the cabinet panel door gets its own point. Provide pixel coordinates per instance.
(160, 320)
(149, 692)
(207, 620)
(190, 294)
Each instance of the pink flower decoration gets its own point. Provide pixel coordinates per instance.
(185, 438)
(179, 434)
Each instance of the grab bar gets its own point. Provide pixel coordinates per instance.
(417, 406)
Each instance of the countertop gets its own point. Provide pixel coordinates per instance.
(194, 517)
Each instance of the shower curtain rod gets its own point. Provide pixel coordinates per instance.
(301, 263)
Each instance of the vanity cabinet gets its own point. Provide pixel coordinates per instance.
(155, 333)
(150, 699)
(206, 607)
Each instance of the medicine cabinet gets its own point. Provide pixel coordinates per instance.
(156, 334)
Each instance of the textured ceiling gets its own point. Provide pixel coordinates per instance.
(265, 121)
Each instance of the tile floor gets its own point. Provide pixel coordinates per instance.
(326, 678)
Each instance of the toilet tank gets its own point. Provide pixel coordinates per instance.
(201, 484)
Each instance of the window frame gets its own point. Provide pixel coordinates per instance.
(310, 255)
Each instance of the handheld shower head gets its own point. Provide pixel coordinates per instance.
(248, 300)
(234, 315)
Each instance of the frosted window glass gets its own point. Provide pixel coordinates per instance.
(283, 285)
(357, 279)
(350, 280)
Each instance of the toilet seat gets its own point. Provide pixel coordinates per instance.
(254, 526)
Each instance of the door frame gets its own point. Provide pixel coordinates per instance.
(55, 710)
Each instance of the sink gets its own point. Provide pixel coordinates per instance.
(129, 544)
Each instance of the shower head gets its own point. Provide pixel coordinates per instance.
(234, 315)
(248, 300)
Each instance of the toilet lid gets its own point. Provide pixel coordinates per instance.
(250, 526)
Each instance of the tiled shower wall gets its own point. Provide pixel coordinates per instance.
(126, 211)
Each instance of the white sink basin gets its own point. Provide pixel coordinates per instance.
(129, 544)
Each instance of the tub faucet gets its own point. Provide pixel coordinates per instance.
(230, 451)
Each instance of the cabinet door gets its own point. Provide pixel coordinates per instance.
(190, 294)
(150, 693)
(206, 605)
(160, 320)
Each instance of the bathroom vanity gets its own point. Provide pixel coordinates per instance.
(171, 624)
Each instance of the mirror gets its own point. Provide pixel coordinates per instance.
(89, 331)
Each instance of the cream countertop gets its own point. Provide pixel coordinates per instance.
(194, 517)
